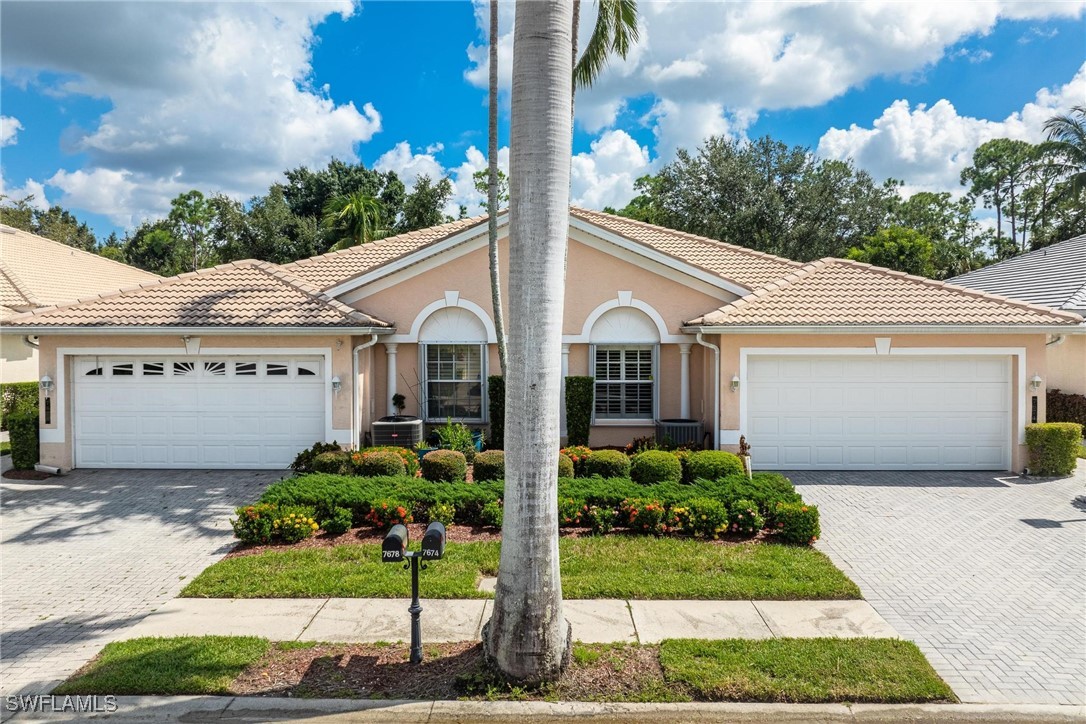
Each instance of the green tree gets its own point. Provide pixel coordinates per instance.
(190, 218)
(425, 205)
(18, 214)
(61, 225)
(153, 247)
(997, 177)
(356, 218)
(1066, 146)
(955, 235)
(112, 247)
(898, 248)
(482, 183)
(614, 33)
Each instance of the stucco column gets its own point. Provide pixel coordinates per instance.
(565, 374)
(390, 386)
(684, 380)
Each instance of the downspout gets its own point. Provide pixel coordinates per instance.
(356, 435)
(716, 389)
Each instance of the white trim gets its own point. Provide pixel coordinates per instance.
(844, 329)
(57, 434)
(163, 331)
(626, 299)
(614, 422)
(1018, 353)
(413, 334)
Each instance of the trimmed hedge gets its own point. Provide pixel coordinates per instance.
(489, 465)
(580, 397)
(378, 463)
(1065, 407)
(607, 464)
(565, 466)
(713, 465)
(23, 429)
(17, 396)
(410, 457)
(337, 462)
(495, 389)
(448, 466)
(1053, 447)
(797, 523)
(655, 466)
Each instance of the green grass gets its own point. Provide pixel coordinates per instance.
(604, 567)
(5, 448)
(181, 665)
(803, 670)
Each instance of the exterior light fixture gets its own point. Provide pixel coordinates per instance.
(735, 383)
(46, 384)
(336, 385)
(1035, 382)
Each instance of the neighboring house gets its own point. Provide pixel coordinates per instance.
(833, 364)
(36, 272)
(1055, 277)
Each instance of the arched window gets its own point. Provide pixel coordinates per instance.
(625, 344)
(452, 344)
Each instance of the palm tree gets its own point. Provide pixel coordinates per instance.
(615, 32)
(492, 191)
(359, 214)
(1066, 145)
(527, 637)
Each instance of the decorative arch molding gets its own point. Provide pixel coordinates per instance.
(452, 299)
(626, 299)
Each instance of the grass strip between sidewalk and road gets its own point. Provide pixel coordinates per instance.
(598, 567)
(774, 670)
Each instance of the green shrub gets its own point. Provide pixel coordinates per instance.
(495, 387)
(713, 465)
(387, 513)
(448, 466)
(708, 517)
(303, 463)
(1065, 407)
(677, 520)
(491, 514)
(642, 515)
(565, 466)
(253, 524)
(489, 465)
(293, 526)
(456, 436)
(337, 521)
(337, 462)
(797, 523)
(1053, 447)
(765, 489)
(744, 518)
(608, 464)
(580, 397)
(410, 457)
(23, 430)
(444, 513)
(579, 455)
(377, 463)
(15, 397)
(655, 466)
(600, 519)
(570, 512)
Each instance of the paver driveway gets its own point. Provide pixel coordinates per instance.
(84, 556)
(986, 574)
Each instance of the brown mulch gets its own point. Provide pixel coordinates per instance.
(26, 475)
(448, 671)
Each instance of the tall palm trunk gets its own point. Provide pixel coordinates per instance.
(492, 191)
(528, 637)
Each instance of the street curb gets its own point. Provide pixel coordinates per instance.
(260, 709)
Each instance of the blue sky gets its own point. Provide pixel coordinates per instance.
(111, 109)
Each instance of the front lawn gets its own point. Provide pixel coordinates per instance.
(775, 670)
(592, 567)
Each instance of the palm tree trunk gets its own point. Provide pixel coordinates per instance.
(528, 636)
(492, 191)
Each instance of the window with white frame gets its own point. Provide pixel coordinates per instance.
(625, 382)
(453, 387)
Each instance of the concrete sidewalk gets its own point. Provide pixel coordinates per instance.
(365, 620)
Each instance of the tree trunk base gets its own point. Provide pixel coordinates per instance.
(536, 678)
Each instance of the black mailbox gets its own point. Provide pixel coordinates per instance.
(433, 542)
(395, 545)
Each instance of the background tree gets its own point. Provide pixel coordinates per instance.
(61, 225)
(898, 248)
(425, 205)
(190, 217)
(18, 213)
(356, 217)
(996, 178)
(528, 636)
(154, 248)
(493, 190)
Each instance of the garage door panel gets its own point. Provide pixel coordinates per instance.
(879, 412)
(154, 425)
(155, 454)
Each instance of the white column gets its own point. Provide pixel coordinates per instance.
(565, 374)
(684, 381)
(390, 387)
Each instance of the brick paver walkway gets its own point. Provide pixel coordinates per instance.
(986, 574)
(84, 556)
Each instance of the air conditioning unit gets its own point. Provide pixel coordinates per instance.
(398, 430)
(679, 431)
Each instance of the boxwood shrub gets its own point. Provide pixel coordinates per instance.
(378, 463)
(713, 464)
(1053, 447)
(565, 466)
(16, 397)
(336, 463)
(410, 457)
(1065, 407)
(445, 465)
(489, 465)
(607, 464)
(655, 466)
(23, 430)
(797, 523)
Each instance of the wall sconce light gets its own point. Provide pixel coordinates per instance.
(735, 383)
(336, 385)
(46, 384)
(1035, 382)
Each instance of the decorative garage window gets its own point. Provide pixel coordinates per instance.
(184, 369)
(245, 369)
(154, 369)
(94, 372)
(307, 369)
(123, 370)
(215, 369)
(625, 382)
(454, 381)
(275, 369)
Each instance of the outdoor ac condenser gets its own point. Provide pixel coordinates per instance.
(398, 430)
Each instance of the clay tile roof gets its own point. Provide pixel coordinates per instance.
(245, 293)
(336, 267)
(849, 293)
(745, 267)
(38, 272)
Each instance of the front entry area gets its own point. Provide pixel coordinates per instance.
(878, 412)
(196, 411)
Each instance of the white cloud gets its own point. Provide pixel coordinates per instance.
(409, 165)
(9, 130)
(211, 96)
(928, 147)
(605, 176)
(31, 189)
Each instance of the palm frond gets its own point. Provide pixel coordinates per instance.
(615, 32)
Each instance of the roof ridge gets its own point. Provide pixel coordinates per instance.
(16, 282)
(693, 237)
(277, 272)
(81, 251)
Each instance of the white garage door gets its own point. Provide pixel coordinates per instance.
(878, 412)
(196, 412)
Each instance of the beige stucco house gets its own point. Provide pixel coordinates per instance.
(36, 272)
(829, 365)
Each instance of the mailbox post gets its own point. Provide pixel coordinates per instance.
(394, 550)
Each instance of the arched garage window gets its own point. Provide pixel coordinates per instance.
(625, 346)
(452, 345)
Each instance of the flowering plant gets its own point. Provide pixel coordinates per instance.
(294, 527)
(578, 454)
(744, 518)
(570, 512)
(644, 516)
(387, 513)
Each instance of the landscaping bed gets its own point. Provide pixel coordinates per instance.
(775, 670)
